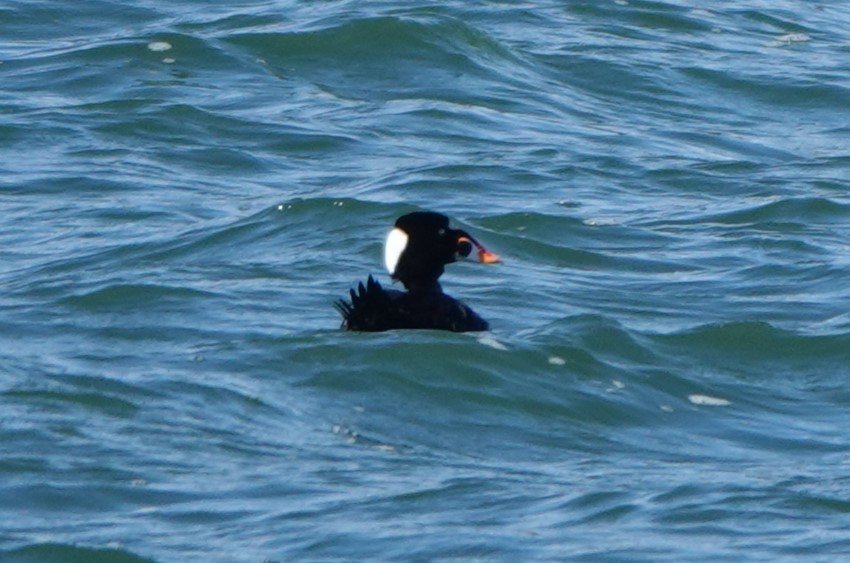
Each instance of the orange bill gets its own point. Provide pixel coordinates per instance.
(484, 255)
(487, 257)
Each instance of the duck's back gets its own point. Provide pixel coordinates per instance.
(374, 309)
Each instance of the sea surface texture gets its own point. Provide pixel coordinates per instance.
(186, 188)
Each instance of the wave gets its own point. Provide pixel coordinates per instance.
(442, 43)
(760, 344)
(70, 553)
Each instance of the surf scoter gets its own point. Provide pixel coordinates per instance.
(416, 251)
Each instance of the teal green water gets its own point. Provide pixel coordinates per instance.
(186, 190)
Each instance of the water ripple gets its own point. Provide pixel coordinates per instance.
(187, 188)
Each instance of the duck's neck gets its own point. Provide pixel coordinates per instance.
(422, 286)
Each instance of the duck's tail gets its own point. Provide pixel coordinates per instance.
(370, 309)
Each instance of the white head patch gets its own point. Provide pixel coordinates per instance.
(395, 245)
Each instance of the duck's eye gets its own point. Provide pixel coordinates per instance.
(464, 247)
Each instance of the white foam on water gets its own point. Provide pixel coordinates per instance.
(599, 222)
(789, 39)
(489, 340)
(708, 401)
(159, 46)
(616, 385)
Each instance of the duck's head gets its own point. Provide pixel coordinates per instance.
(422, 243)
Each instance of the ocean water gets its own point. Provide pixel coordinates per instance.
(186, 188)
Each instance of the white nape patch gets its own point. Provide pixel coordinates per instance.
(708, 401)
(395, 245)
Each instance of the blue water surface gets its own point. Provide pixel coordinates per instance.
(186, 188)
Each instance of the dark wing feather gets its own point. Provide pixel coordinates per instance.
(370, 310)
